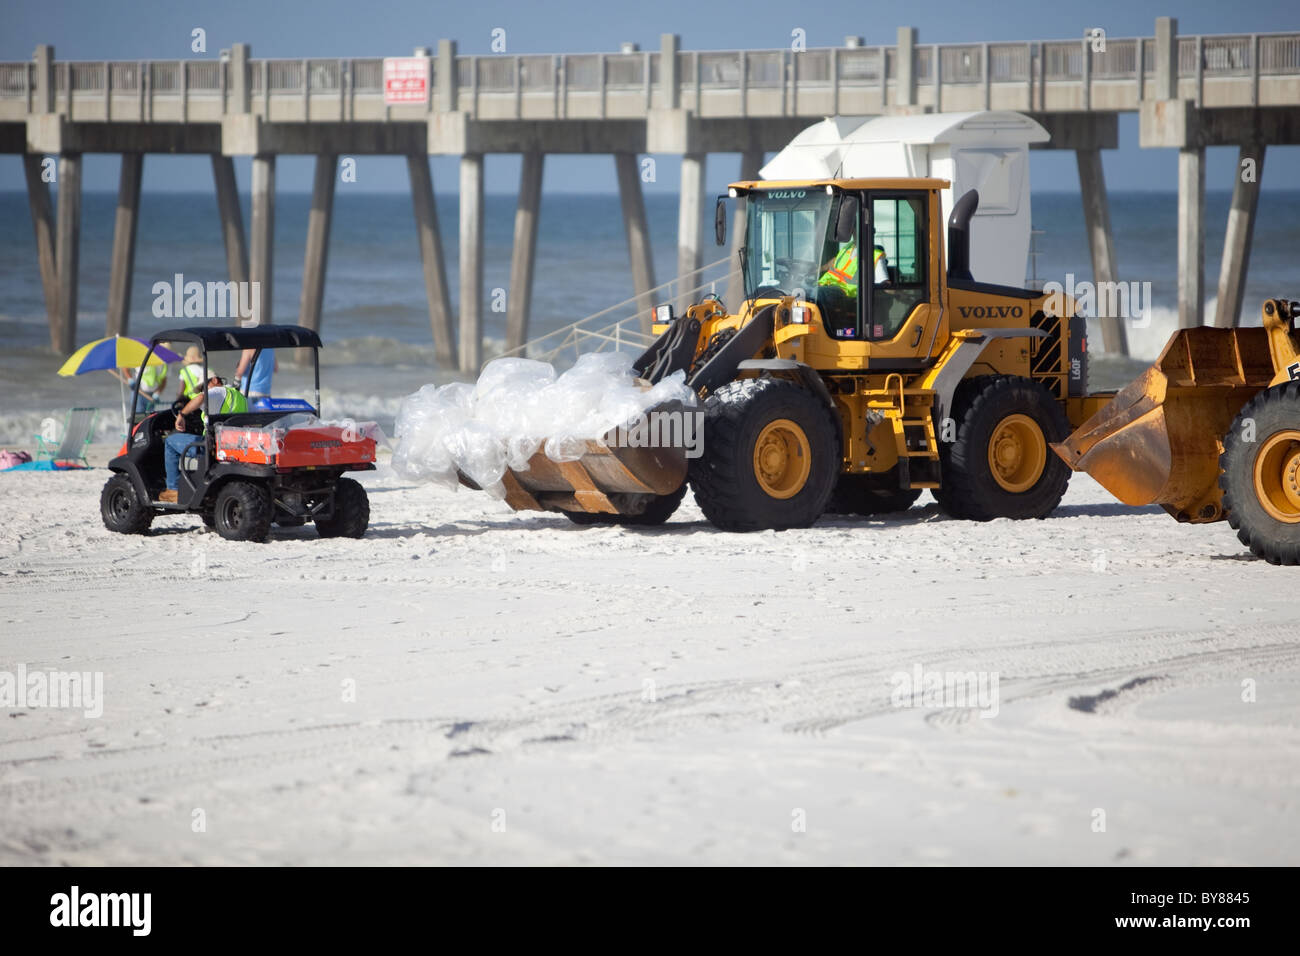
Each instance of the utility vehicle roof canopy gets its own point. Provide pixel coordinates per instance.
(235, 338)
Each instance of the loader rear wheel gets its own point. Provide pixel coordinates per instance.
(999, 466)
(1261, 478)
(869, 495)
(771, 456)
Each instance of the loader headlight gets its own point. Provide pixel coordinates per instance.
(663, 314)
(799, 315)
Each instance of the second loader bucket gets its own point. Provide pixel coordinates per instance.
(1159, 440)
(614, 475)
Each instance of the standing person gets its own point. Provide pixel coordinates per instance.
(152, 378)
(258, 383)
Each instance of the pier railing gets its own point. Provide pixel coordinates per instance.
(1217, 70)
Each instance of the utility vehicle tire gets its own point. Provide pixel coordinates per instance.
(1000, 465)
(771, 456)
(868, 495)
(122, 509)
(351, 512)
(656, 512)
(242, 511)
(1261, 478)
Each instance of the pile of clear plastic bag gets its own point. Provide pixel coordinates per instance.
(518, 407)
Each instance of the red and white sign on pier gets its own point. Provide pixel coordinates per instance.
(406, 79)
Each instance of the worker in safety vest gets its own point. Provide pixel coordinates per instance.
(842, 271)
(229, 401)
(191, 373)
(152, 378)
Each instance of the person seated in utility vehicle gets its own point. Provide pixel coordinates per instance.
(229, 401)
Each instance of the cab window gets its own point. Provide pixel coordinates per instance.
(898, 263)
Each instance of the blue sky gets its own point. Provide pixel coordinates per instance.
(160, 29)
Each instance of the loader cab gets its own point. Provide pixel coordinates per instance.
(861, 251)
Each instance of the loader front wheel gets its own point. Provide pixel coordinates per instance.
(999, 465)
(1260, 478)
(771, 456)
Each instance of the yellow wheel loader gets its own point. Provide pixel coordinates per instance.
(1210, 431)
(866, 364)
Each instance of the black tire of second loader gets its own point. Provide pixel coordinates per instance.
(1260, 474)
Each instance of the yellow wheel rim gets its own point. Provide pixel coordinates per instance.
(1017, 453)
(1277, 476)
(782, 459)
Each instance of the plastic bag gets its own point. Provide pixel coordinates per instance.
(516, 408)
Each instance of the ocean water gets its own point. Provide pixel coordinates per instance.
(376, 322)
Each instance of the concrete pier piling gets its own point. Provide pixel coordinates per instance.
(640, 254)
(471, 262)
(689, 222)
(67, 252)
(1239, 235)
(318, 241)
(1101, 243)
(125, 226)
(1190, 93)
(232, 219)
(42, 210)
(524, 255)
(751, 161)
(431, 258)
(1191, 237)
(262, 244)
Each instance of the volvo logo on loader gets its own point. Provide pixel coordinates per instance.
(990, 311)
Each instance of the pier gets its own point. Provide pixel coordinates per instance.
(1191, 92)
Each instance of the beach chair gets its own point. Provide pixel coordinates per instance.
(78, 429)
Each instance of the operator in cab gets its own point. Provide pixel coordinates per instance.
(229, 401)
(841, 270)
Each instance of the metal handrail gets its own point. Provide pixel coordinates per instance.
(574, 332)
(1224, 55)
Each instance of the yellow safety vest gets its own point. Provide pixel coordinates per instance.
(192, 376)
(844, 273)
(153, 377)
(233, 402)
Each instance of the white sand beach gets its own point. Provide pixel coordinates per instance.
(469, 685)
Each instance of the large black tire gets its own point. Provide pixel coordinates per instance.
(242, 511)
(1002, 405)
(1261, 478)
(659, 510)
(730, 483)
(869, 495)
(122, 509)
(351, 512)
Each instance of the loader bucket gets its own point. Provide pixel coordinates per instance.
(611, 477)
(1159, 440)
